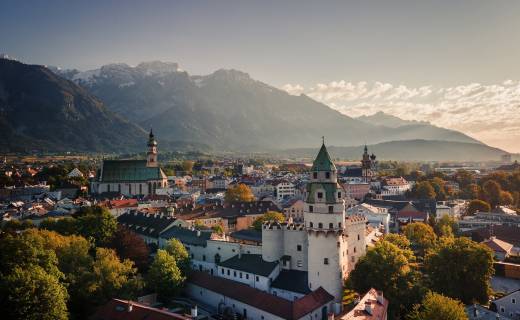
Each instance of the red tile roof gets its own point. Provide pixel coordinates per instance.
(118, 310)
(261, 300)
(498, 245)
(378, 310)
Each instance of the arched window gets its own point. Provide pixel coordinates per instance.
(311, 225)
(320, 225)
(331, 226)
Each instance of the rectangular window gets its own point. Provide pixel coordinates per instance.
(299, 247)
(257, 279)
(326, 261)
(247, 276)
(222, 271)
(228, 273)
(331, 209)
(234, 274)
(327, 175)
(311, 209)
(315, 175)
(240, 275)
(320, 195)
(339, 195)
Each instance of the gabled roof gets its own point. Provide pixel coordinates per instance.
(292, 280)
(379, 309)
(150, 225)
(262, 300)
(129, 170)
(187, 236)
(498, 245)
(251, 263)
(117, 309)
(323, 162)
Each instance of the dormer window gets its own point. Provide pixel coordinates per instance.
(327, 175)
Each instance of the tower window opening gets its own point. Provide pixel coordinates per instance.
(331, 226)
(320, 195)
(315, 175)
(320, 225)
(311, 209)
(331, 209)
(326, 261)
(339, 195)
(327, 175)
(311, 224)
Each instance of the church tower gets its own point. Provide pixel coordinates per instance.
(366, 166)
(324, 215)
(151, 157)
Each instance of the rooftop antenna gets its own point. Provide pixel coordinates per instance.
(323, 139)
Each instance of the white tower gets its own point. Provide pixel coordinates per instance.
(324, 214)
(151, 156)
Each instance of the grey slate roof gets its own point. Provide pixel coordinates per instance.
(478, 312)
(187, 236)
(150, 225)
(248, 235)
(251, 263)
(292, 280)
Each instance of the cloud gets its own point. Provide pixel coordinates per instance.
(490, 113)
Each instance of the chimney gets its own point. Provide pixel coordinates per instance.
(194, 312)
(368, 307)
(129, 306)
(380, 298)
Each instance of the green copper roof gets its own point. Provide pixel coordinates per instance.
(129, 170)
(330, 191)
(323, 161)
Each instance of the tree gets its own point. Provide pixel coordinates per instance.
(386, 267)
(239, 193)
(438, 307)
(470, 191)
(424, 190)
(460, 269)
(164, 276)
(402, 243)
(12, 226)
(491, 192)
(187, 165)
(178, 251)
(97, 224)
(112, 277)
(66, 226)
(268, 216)
(218, 229)
(438, 186)
(24, 251)
(446, 226)
(506, 198)
(421, 236)
(29, 292)
(129, 245)
(477, 205)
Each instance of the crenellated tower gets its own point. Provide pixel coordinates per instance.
(324, 215)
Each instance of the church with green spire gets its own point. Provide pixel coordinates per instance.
(131, 177)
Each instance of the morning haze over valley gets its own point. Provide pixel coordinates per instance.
(259, 160)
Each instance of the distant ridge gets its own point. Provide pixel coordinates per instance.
(410, 150)
(231, 111)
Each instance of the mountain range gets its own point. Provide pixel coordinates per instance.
(109, 109)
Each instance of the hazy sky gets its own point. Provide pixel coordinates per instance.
(300, 45)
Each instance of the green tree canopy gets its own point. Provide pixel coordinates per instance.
(239, 193)
(386, 267)
(178, 251)
(164, 276)
(477, 205)
(66, 226)
(424, 190)
(438, 307)
(446, 226)
(491, 192)
(30, 293)
(460, 269)
(268, 216)
(98, 224)
(421, 236)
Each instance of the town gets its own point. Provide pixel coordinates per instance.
(202, 237)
